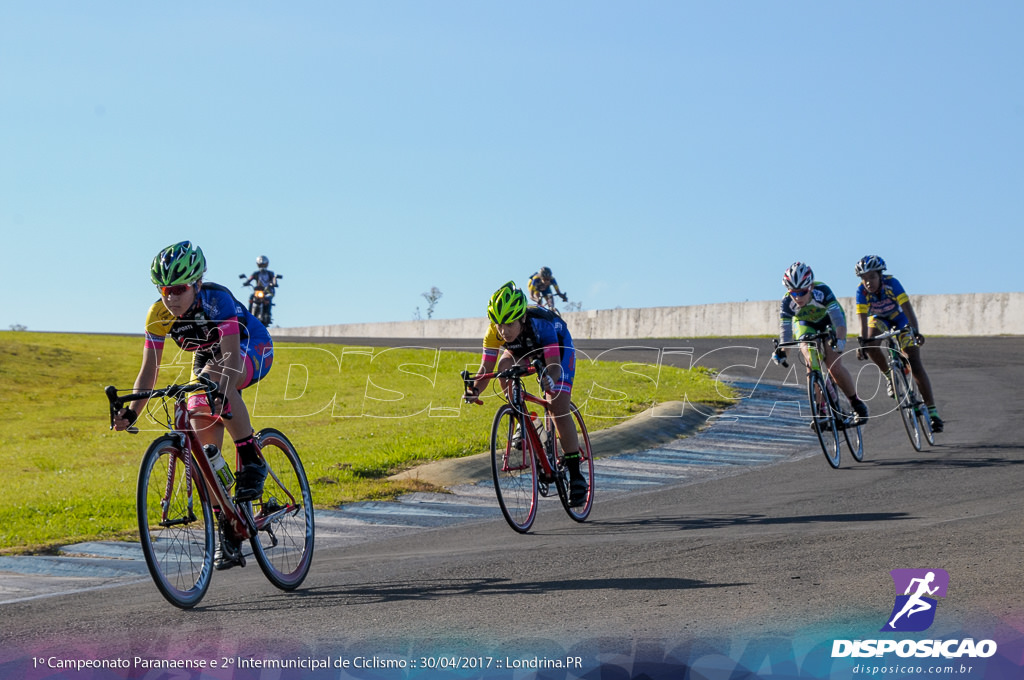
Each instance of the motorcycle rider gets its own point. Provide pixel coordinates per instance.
(262, 279)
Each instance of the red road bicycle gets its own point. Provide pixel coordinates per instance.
(526, 457)
(180, 500)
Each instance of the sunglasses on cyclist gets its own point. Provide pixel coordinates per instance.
(174, 290)
(799, 293)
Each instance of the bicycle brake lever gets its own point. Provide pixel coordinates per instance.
(111, 393)
(115, 405)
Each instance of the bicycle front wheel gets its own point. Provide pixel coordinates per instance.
(851, 431)
(283, 543)
(514, 470)
(176, 523)
(824, 419)
(924, 418)
(905, 403)
(579, 511)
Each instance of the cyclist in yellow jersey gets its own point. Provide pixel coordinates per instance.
(231, 347)
(541, 284)
(520, 334)
(882, 305)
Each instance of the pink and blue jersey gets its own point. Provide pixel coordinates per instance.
(544, 333)
(216, 314)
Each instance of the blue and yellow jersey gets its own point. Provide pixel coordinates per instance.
(537, 286)
(823, 309)
(215, 314)
(886, 304)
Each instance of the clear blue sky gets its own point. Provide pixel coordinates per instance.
(651, 153)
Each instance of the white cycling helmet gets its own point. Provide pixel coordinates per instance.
(798, 276)
(870, 263)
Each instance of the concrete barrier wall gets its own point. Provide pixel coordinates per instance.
(970, 314)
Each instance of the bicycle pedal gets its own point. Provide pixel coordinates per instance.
(544, 489)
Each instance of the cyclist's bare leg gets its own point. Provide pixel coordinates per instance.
(920, 375)
(839, 373)
(565, 426)
(875, 352)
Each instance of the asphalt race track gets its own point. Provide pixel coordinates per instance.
(796, 554)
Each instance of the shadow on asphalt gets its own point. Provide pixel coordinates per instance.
(434, 589)
(633, 525)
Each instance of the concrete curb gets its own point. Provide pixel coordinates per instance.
(650, 429)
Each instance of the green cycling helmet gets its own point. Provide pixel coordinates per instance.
(182, 263)
(508, 304)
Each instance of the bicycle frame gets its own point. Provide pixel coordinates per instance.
(199, 473)
(827, 413)
(518, 398)
(913, 410)
(816, 349)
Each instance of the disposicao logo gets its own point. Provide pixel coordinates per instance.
(914, 610)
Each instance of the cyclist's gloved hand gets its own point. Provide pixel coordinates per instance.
(918, 338)
(862, 353)
(779, 357)
(547, 383)
(126, 418)
(839, 344)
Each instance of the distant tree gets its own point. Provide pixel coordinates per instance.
(574, 306)
(18, 327)
(432, 296)
(416, 316)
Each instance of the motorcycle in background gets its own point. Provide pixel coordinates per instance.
(262, 299)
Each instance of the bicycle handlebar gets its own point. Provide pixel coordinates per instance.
(512, 373)
(804, 339)
(894, 333)
(119, 402)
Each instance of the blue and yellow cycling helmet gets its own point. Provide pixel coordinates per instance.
(508, 304)
(870, 263)
(182, 263)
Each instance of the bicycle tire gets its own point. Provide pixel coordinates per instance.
(905, 403)
(284, 546)
(851, 431)
(179, 551)
(924, 418)
(824, 419)
(578, 513)
(514, 470)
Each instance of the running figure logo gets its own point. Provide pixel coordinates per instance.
(914, 610)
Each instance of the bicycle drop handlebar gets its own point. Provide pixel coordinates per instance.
(828, 335)
(512, 373)
(118, 402)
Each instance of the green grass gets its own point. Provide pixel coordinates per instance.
(356, 415)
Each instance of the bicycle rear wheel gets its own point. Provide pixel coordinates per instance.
(905, 403)
(851, 431)
(283, 546)
(176, 523)
(581, 511)
(514, 470)
(824, 419)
